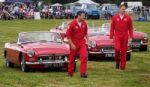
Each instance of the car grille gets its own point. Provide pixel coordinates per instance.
(94, 12)
(51, 58)
(107, 49)
(136, 41)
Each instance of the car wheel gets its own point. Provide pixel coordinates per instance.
(24, 67)
(143, 49)
(75, 66)
(128, 56)
(8, 63)
(89, 57)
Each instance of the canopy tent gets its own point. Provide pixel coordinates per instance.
(87, 2)
(2, 0)
(57, 5)
(13, 1)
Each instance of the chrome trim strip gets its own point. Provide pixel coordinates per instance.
(106, 52)
(35, 63)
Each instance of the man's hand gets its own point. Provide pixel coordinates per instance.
(73, 46)
(129, 41)
(112, 40)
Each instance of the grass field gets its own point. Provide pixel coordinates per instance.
(100, 73)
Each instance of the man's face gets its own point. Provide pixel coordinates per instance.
(82, 16)
(122, 10)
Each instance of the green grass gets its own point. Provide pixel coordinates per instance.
(101, 74)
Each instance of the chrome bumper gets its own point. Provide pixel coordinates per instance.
(107, 52)
(49, 62)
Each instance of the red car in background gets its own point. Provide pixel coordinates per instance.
(41, 49)
(140, 39)
(103, 47)
(61, 29)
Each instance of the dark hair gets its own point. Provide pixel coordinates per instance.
(80, 12)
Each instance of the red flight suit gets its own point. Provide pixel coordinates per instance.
(77, 34)
(121, 30)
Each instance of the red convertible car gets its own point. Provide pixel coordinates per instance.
(61, 29)
(41, 49)
(100, 46)
(103, 47)
(140, 39)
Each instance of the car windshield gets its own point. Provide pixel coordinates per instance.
(91, 6)
(96, 32)
(106, 25)
(32, 37)
(112, 7)
(64, 25)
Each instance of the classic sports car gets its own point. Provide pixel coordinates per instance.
(140, 39)
(61, 29)
(41, 49)
(103, 47)
(100, 45)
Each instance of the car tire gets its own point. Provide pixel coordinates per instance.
(8, 63)
(75, 66)
(128, 56)
(23, 66)
(89, 58)
(143, 49)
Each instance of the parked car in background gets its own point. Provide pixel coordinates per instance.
(140, 39)
(41, 49)
(90, 9)
(103, 47)
(108, 10)
(61, 29)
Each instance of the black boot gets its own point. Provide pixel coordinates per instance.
(83, 75)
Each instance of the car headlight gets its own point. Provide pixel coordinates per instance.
(141, 42)
(92, 44)
(66, 59)
(30, 53)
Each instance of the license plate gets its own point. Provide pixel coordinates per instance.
(53, 65)
(94, 14)
(135, 45)
(109, 55)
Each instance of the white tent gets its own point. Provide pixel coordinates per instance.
(87, 2)
(2, 0)
(57, 5)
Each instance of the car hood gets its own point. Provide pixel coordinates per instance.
(138, 35)
(47, 48)
(102, 40)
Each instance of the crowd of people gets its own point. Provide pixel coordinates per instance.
(20, 10)
(26, 11)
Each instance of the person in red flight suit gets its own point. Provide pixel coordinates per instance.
(121, 31)
(77, 37)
